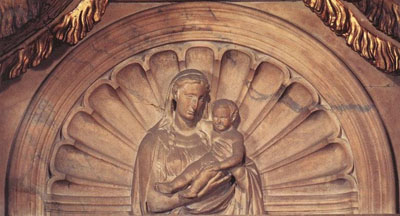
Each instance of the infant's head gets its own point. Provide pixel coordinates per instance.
(224, 113)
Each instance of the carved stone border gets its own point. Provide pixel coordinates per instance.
(28, 170)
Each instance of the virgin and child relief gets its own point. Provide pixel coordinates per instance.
(208, 129)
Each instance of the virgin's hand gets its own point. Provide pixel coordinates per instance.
(212, 167)
(218, 180)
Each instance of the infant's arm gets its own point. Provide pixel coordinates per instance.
(238, 152)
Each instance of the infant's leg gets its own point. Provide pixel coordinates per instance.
(240, 176)
(198, 183)
(180, 181)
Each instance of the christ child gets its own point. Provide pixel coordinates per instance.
(226, 154)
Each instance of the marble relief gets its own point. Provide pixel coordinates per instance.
(202, 128)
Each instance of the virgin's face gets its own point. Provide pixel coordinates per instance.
(190, 99)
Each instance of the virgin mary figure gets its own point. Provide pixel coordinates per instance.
(178, 139)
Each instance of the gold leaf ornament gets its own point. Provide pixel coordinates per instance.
(32, 55)
(78, 22)
(381, 53)
(72, 28)
(384, 15)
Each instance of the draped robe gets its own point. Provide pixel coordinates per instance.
(162, 156)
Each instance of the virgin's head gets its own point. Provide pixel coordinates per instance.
(188, 94)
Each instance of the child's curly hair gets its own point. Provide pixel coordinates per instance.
(233, 108)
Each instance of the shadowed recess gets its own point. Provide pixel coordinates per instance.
(103, 142)
(202, 59)
(262, 94)
(281, 119)
(141, 99)
(164, 66)
(69, 159)
(105, 101)
(338, 186)
(70, 189)
(335, 161)
(312, 134)
(235, 66)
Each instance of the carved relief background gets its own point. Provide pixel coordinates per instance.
(308, 147)
(301, 152)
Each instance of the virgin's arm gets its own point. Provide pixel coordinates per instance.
(150, 200)
(161, 203)
(158, 202)
(144, 196)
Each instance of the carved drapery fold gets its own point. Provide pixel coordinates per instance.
(379, 52)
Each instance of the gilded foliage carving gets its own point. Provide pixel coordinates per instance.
(384, 15)
(72, 28)
(29, 56)
(80, 21)
(379, 52)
